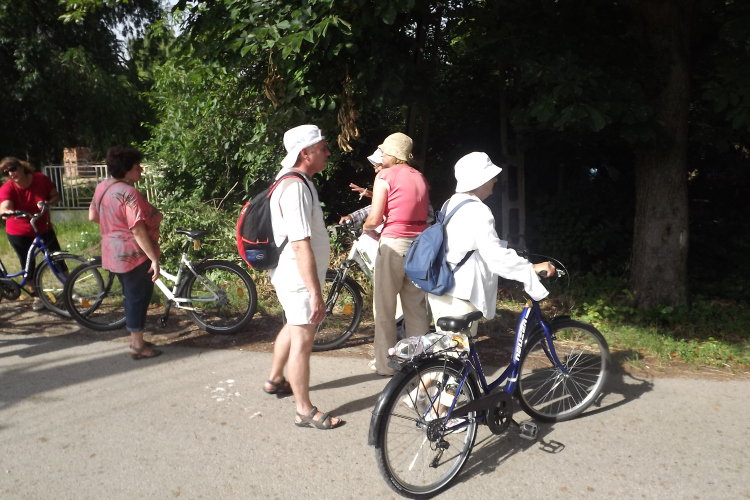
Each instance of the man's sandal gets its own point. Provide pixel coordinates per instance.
(278, 388)
(324, 422)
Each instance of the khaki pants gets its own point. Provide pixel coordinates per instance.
(448, 305)
(391, 282)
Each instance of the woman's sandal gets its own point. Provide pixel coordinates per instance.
(278, 388)
(137, 355)
(324, 422)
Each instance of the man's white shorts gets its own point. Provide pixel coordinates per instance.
(297, 306)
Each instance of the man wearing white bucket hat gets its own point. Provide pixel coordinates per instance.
(472, 227)
(296, 214)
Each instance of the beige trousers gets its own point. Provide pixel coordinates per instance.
(390, 282)
(448, 305)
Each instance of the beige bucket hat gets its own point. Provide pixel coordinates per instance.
(398, 145)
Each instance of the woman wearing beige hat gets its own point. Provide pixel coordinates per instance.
(401, 194)
(472, 228)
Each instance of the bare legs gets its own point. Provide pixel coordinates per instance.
(292, 349)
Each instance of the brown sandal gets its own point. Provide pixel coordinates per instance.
(278, 388)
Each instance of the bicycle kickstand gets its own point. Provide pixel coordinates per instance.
(164, 317)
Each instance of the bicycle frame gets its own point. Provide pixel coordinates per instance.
(531, 315)
(37, 247)
(172, 295)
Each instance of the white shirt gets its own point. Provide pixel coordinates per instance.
(472, 227)
(302, 218)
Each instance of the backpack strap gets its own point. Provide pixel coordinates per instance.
(445, 221)
(273, 188)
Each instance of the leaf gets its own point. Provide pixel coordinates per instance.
(598, 121)
(283, 25)
(389, 16)
(245, 50)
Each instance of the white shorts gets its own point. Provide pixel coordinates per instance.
(297, 306)
(448, 305)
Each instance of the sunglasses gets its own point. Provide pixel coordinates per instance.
(10, 169)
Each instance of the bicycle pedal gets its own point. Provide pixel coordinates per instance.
(529, 430)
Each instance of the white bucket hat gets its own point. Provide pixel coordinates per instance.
(376, 158)
(297, 139)
(473, 170)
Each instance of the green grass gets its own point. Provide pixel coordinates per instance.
(711, 332)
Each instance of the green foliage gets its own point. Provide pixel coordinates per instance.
(64, 85)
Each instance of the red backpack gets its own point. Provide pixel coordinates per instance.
(255, 232)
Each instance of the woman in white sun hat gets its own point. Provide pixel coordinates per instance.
(472, 227)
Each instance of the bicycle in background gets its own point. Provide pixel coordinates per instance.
(343, 295)
(50, 275)
(425, 422)
(218, 295)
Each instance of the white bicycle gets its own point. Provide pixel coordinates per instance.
(218, 295)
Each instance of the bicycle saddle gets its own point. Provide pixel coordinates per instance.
(457, 323)
(192, 234)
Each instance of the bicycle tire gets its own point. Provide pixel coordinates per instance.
(404, 452)
(544, 392)
(238, 299)
(47, 284)
(94, 297)
(342, 316)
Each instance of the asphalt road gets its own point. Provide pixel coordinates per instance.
(79, 419)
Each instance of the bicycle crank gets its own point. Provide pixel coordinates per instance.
(9, 289)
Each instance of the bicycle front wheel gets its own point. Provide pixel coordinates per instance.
(343, 313)
(222, 297)
(548, 394)
(416, 452)
(94, 297)
(49, 281)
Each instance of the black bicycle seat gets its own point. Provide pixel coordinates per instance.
(192, 234)
(458, 323)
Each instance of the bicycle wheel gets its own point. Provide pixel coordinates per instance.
(415, 454)
(50, 281)
(343, 313)
(222, 297)
(544, 391)
(94, 297)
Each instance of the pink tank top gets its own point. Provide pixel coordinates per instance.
(406, 205)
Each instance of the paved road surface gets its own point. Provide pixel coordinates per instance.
(80, 420)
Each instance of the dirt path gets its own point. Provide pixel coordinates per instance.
(17, 317)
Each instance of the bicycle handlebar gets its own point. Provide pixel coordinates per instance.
(27, 215)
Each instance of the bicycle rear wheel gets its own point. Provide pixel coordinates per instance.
(94, 297)
(223, 297)
(544, 391)
(342, 314)
(415, 453)
(49, 281)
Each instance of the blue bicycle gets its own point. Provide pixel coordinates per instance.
(425, 422)
(49, 276)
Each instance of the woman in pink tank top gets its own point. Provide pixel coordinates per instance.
(401, 195)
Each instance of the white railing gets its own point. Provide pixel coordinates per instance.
(76, 184)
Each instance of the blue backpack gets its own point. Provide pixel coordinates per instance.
(425, 263)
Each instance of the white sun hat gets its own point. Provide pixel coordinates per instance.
(473, 170)
(297, 139)
(376, 158)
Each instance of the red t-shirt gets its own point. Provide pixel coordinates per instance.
(407, 204)
(26, 200)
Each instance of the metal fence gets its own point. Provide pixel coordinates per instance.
(76, 184)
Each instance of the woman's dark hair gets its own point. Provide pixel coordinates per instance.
(10, 161)
(120, 160)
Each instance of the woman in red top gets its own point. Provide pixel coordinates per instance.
(26, 190)
(401, 194)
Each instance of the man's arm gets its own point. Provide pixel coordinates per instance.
(308, 271)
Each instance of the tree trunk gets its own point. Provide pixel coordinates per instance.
(660, 242)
